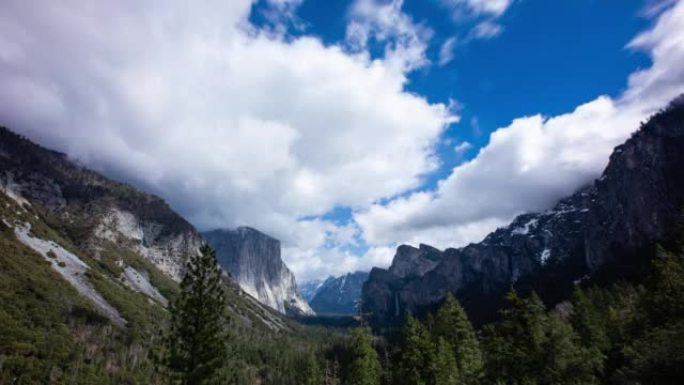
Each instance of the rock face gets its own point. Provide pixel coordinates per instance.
(409, 261)
(253, 260)
(339, 295)
(85, 225)
(97, 213)
(637, 201)
(310, 288)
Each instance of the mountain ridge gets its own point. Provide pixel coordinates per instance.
(638, 197)
(339, 295)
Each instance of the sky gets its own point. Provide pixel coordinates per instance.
(341, 127)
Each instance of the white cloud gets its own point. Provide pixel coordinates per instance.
(446, 51)
(485, 14)
(235, 126)
(405, 42)
(486, 30)
(536, 160)
(493, 8)
(232, 125)
(653, 8)
(462, 148)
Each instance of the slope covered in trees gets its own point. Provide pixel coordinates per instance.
(626, 333)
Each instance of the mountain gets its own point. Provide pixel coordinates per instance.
(339, 295)
(97, 213)
(310, 288)
(87, 268)
(253, 260)
(599, 232)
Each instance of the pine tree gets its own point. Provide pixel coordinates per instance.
(196, 340)
(365, 366)
(588, 322)
(513, 346)
(310, 371)
(656, 355)
(446, 368)
(417, 364)
(565, 361)
(530, 347)
(452, 324)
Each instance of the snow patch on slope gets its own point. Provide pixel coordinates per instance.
(167, 254)
(545, 255)
(11, 189)
(524, 230)
(70, 267)
(140, 283)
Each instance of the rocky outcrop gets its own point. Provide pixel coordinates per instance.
(637, 201)
(340, 295)
(96, 213)
(253, 260)
(409, 261)
(310, 288)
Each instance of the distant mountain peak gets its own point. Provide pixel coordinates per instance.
(253, 260)
(339, 295)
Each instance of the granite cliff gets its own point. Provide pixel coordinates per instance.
(252, 258)
(603, 227)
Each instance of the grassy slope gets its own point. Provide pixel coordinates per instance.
(50, 334)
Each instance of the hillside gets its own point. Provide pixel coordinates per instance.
(598, 233)
(87, 268)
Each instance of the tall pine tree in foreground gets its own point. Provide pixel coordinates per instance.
(452, 324)
(417, 365)
(446, 369)
(365, 367)
(196, 341)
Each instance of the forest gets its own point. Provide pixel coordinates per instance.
(625, 333)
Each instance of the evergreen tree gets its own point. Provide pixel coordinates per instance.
(446, 368)
(530, 347)
(453, 325)
(513, 346)
(657, 355)
(417, 364)
(588, 322)
(310, 371)
(196, 341)
(365, 365)
(666, 302)
(563, 360)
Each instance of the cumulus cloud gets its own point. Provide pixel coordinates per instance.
(536, 160)
(232, 125)
(486, 30)
(485, 14)
(404, 41)
(494, 8)
(237, 125)
(446, 51)
(462, 148)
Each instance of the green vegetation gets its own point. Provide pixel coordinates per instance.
(50, 334)
(196, 343)
(623, 334)
(452, 325)
(629, 333)
(365, 367)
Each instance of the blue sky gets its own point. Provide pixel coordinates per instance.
(342, 128)
(549, 57)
